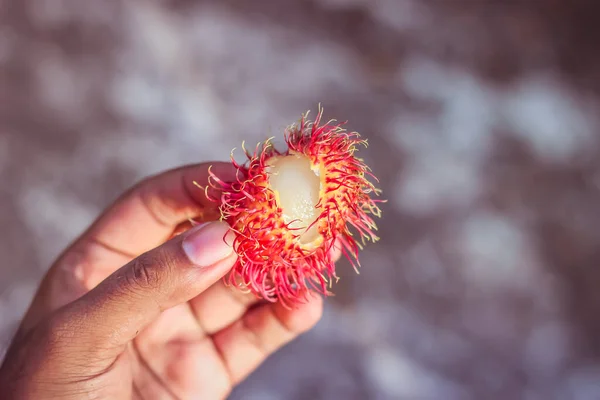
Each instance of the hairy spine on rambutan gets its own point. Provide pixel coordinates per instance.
(288, 209)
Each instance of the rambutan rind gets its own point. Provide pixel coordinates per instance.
(276, 261)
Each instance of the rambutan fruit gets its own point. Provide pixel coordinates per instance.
(289, 209)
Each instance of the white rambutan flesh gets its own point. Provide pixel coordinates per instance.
(297, 191)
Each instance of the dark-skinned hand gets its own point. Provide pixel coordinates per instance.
(133, 310)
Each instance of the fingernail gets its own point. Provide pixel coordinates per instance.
(204, 244)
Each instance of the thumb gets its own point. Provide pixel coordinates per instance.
(116, 310)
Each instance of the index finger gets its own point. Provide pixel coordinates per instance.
(147, 215)
(141, 219)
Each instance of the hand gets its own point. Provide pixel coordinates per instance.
(131, 310)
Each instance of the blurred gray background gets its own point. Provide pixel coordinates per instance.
(482, 117)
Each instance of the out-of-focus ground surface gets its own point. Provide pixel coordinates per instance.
(482, 117)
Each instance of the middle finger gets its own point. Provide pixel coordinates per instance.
(222, 305)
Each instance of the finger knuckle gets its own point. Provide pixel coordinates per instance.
(143, 273)
(151, 270)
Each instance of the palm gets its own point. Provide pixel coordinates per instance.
(175, 358)
(170, 359)
(199, 349)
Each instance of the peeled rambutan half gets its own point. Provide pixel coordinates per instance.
(289, 209)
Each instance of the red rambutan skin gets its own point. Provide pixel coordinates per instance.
(272, 262)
